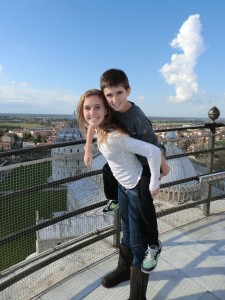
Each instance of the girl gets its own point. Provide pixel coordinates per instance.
(120, 152)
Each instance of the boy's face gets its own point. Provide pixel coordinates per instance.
(117, 98)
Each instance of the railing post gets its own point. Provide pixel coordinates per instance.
(117, 227)
(213, 114)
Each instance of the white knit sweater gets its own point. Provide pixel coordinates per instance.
(120, 149)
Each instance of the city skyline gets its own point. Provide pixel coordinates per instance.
(172, 52)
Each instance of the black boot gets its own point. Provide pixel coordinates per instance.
(122, 272)
(138, 284)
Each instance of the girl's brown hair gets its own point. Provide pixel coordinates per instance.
(109, 123)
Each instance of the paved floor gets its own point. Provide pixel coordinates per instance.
(191, 267)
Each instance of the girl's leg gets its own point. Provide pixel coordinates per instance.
(122, 272)
(123, 209)
(131, 228)
(138, 280)
(110, 189)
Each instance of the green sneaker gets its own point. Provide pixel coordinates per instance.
(151, 258)
(111, 206)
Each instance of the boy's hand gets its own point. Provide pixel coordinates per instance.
(88, 157)
(165, 168)
(155, 192)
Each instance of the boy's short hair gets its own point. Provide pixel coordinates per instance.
(113, 78)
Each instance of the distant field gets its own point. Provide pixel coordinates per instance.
(21, 125)
(20, 212)
(171, 124)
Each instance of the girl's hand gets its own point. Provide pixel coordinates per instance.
(88, 157)
(155, 192)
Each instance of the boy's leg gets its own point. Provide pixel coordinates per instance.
(147, 209)
(110, 183)
(110, 189)
(149, 225)
(111, 206)
(151, 258)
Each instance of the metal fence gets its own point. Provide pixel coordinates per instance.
(52, 224)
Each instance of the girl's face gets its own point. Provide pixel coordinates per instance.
(94, 110)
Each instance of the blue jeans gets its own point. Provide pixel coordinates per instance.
(131, 223)
(146, 204)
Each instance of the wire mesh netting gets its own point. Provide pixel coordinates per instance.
(52, 223)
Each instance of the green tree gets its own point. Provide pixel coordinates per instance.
(27, 136)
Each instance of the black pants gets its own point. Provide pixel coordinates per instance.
(110, 183)
(146, 206)
(147, 209)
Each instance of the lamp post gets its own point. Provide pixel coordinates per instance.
(213, 114)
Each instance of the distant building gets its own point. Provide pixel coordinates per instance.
(80, 193)
(67, 162)
(19, 132)
(28, 145)
(180, 168)
(43, 132)
(6, 142)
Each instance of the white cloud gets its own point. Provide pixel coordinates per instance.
(140, 99)
(20, 84)
(20, 97)
(180, 71)
(198, 109)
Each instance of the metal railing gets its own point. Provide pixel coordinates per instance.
(51, 205)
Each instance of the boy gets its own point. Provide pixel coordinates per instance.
(115, 86)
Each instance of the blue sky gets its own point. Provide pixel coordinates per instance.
(52, 51)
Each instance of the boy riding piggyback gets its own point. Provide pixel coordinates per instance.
(115, 86)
